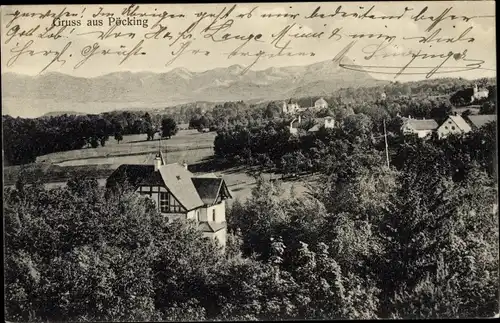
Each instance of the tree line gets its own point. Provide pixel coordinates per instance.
(25, 139)
(271, 146)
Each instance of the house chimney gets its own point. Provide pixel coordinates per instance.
(157, 162)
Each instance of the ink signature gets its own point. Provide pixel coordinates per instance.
(437, 62)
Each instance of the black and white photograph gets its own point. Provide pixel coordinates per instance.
(250, 161)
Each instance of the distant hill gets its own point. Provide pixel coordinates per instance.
(147, 89)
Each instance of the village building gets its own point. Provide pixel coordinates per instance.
(478, 121)
(320, 104)
(469, 95)
(479, 94)
(455, 125)
(290, 107)
(294, 125)
(327, 123)
(179, 194)
(420, 127)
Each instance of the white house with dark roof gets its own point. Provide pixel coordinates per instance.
(321, 104)
(479, 94)
(420, 127)
(179, 194)
(455, 125)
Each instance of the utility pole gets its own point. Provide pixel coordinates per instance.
(386, 146)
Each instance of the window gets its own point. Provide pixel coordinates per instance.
(446, 127)
(452, 127)
(164, 205)
(213, 215)
(175, 207)
(168, 204)
(198, 216)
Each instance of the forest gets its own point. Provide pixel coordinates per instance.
(25, 139)
(416, 240)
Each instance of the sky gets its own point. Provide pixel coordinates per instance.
(25, 52)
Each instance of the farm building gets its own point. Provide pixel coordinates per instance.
(453, 125)
(320, 104)
(178, 194)
(422, 128)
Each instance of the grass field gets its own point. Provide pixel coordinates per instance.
(188, 146)
(133, 145)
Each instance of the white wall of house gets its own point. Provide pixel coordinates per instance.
(193, 215)
(329, 123)
(423, 133)
(449, 127)
(199, 215)
(206, 214)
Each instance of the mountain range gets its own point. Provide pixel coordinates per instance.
(54, 91)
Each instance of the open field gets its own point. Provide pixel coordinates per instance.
(188, 146)
(185, 140)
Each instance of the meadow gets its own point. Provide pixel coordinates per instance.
(189, 146)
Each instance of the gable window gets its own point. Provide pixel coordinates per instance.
(213, 215)
(164, 205)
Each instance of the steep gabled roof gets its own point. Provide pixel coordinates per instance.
(178, 181)
(423, 124)
(191, 192)
(461, 123)
(480, 120)
(209, 188)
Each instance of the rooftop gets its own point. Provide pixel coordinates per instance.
(191, 191)
(461, 123)
(480, 120)
(422, 124)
